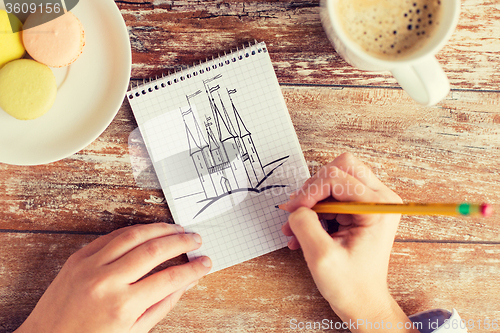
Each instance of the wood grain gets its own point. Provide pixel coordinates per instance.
(448, 153)
(168, 36)
(264, 294)
(445, 153)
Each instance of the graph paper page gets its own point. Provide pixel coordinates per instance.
(225, 152)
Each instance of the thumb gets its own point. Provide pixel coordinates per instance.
(313, 239)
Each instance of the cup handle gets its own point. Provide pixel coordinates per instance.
(425, 81)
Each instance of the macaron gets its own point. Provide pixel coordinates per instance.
(11, 44)
(28, 89)
(54, 40)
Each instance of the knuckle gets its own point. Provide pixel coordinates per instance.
(133, 235)
(119, 311)
(185, 239)
(153, 248)
(116, 232)
(333, 172)
(117, 305)
(98, 289)
(346, 157)
(72, 261)
(174, 276)
(165, 226)
(324, 171)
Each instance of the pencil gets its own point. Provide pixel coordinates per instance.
(461, 209)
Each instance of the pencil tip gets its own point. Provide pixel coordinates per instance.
(277, 206)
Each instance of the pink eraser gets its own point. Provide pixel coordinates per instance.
(486, 210)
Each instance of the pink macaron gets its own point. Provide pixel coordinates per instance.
(56, 43)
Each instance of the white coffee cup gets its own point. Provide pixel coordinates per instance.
(419, 74)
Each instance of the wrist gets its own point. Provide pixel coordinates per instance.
(364, 306)
(376, 314)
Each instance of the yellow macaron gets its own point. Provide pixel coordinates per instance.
(11, 44)
(28, 89)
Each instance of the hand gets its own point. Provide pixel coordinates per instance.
(350, 266)
(99, 288)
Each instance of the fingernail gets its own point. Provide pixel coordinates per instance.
(285, 206)
(205, 261)
(294, 194)
(191, 285)
(197, 238)
(179, 228)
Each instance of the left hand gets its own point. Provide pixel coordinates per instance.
(101, 289)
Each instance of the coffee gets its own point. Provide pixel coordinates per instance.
(389, 29)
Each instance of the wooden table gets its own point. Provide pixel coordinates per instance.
(447, 153)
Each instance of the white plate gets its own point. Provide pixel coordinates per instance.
(90, 93)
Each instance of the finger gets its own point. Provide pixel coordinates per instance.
(141, 260)
(285, 228)
(345, 220)
(97, 244)
(308, 182)
(157, 286)
(351, 165)
(157, 312)
(337, 184)
(327, 216)
(132, 238)
(311, 236)
(293, 243)
(294, 193)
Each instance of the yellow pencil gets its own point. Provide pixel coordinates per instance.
(465, 209)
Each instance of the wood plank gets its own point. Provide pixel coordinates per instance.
(265, 293)
(447, 153)
(167, 36)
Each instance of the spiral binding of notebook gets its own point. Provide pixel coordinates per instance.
(196, 69)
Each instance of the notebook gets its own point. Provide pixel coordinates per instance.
(224, 149)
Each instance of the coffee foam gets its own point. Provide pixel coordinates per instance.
(389, 29)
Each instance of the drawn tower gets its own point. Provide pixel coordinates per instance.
(227, 159)
(228, 166)
(251, 159)
(199, 151)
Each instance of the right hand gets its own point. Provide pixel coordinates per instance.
(350, 266)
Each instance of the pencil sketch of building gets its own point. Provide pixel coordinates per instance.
(222, 149)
